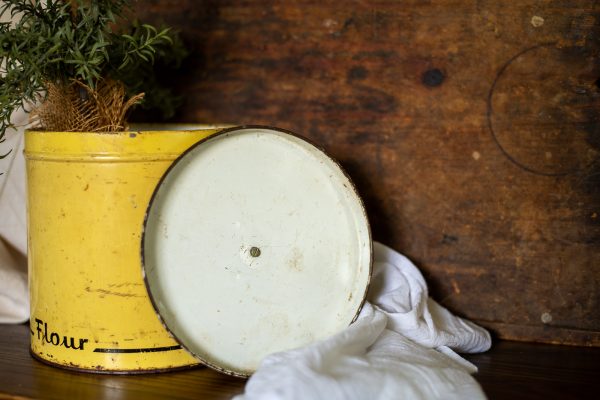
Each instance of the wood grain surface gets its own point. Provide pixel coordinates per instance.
(470, 127)
(21, 376)
(510, 370)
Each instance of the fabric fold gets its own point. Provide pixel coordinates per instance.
(401, 346)
(14, 296)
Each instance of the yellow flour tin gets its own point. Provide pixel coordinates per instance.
(87, 195)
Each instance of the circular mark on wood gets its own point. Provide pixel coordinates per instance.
(433, 77)
(536, 114)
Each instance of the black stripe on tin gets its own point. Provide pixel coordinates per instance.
(144, 350)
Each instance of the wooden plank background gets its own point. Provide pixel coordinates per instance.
(470, 127)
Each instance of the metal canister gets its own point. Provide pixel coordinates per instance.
(87, 195)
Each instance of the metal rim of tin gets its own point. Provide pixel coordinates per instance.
(226, 132)
(99, 370)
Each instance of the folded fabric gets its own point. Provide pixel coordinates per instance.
(399, 348)
(13, 224)
(14, 298)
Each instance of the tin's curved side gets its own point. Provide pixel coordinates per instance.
(87, 193)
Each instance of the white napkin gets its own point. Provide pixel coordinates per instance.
(399, 348)
(14, 298)
(13, 228)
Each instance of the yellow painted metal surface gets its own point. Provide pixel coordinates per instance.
(87, 196)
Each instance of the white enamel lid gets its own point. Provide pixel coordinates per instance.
(255, 241)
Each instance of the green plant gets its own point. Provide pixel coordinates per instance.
(79, 52)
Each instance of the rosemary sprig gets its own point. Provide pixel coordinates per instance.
(58, 42)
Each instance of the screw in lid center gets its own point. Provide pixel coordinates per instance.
(254, 251)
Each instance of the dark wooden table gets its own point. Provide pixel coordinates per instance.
(510, 370)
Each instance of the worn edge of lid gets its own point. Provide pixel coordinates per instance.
(225, 132)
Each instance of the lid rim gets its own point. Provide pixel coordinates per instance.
(225, 132)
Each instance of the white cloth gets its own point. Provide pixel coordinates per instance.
(399, 348)
(13, 228)
(14, 298)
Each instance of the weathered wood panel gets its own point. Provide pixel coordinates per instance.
(470, 127)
